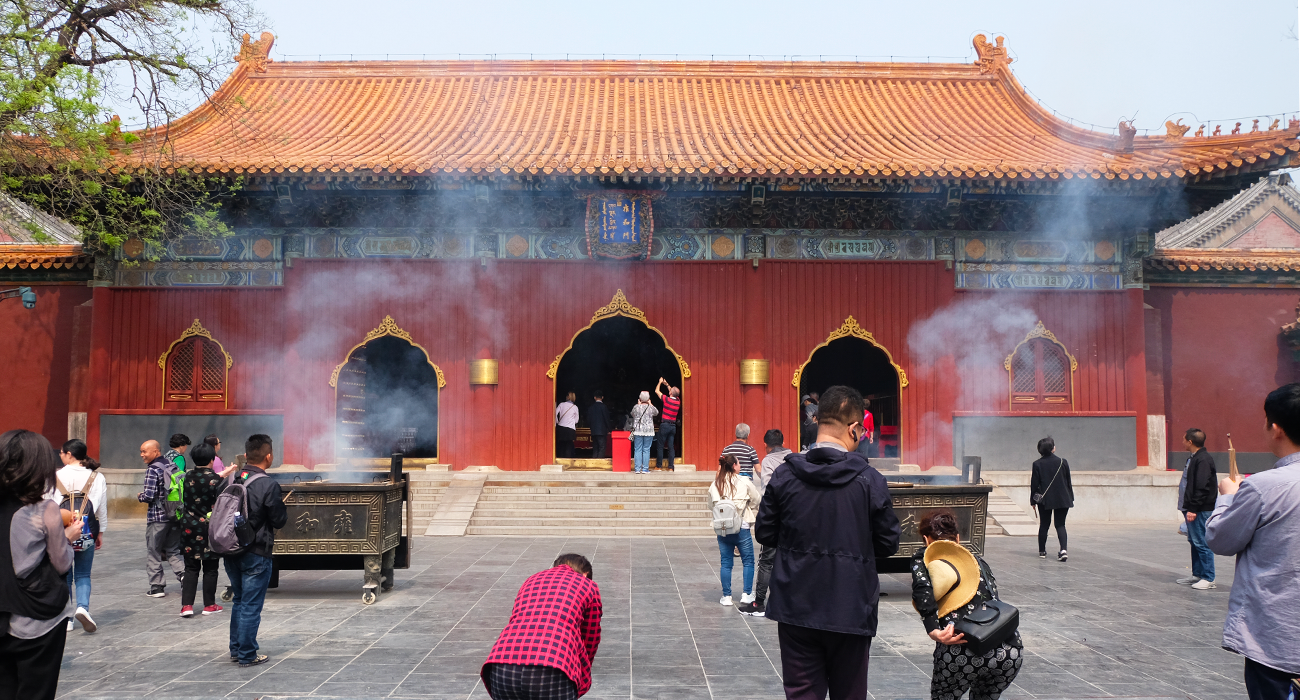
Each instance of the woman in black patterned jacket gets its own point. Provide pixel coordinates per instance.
(955, 669)
(202, 486)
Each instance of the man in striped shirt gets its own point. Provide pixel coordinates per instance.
(746, 457)
(668, 424)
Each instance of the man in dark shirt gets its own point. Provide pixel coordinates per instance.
(830, 517)
(1198, 504)
(599, 422)
(250, 570)
(668, 420)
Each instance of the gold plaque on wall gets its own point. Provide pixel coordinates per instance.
(483, 372)
(753, 371)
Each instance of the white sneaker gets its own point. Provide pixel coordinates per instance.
(746, 598)
(87, 622)
(1203, 585)
(71, 625)
(1187, 581)
(726, 600)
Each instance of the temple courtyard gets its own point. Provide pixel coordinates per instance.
(1109, 623)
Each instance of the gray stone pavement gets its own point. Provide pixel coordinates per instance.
(1111, 622)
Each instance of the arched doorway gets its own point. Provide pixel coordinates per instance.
(852, 357)
(386, 399)
(620, 354)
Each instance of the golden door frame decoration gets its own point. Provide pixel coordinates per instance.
(618, 306)
(389, 327)
(196, 329)
(851, 329)
(1039, 331)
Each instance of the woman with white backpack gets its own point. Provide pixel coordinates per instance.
(82, 489)
(734, 499)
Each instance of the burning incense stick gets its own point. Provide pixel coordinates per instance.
(1232, 461)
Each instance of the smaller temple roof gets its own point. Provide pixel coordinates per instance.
(1265, 215)
(31, 239)
(1247, 239)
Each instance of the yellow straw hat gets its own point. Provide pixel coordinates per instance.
(954, 574)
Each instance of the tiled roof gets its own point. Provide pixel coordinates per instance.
(23, 225)
(1224, 259)
(1196, 231)
(44, 257)
(671, 118)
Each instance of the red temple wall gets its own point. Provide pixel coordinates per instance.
(286, 342)
(34, 388)
(1222, 355)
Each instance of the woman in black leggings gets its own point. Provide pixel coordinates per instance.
(1051, 494)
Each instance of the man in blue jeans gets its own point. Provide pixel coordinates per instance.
(250, 571)
(1198, 503)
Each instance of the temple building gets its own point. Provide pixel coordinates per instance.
(431, 255)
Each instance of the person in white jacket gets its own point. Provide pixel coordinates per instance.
(79, 470)
(742, 494)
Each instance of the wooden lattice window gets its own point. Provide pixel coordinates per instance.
(196, 371)
(1041, 373)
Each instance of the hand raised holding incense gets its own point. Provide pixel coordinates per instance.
(1233, 472)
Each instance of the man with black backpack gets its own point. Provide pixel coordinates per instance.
(162, 534)
(249, 568)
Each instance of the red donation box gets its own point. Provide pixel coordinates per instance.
(621, 450)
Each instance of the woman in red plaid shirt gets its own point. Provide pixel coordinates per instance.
(546, 650)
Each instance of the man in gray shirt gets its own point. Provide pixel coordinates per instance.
(1258, 520)
(774, 441)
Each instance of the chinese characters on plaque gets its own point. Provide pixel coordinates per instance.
(620, 225)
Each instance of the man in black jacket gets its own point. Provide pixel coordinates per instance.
(250, 570)
(830, 517)
(600, 423)
(1198, 504)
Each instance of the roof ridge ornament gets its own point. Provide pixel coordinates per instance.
(256, 54)
(1124, 142)
(990, 55)
(1176, 130)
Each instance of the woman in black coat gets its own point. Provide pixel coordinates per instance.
(1051, 494)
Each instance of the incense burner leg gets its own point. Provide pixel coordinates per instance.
(373, 565)
(386, 570)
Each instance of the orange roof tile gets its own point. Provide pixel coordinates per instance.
(32, 257)
(1221, 259)
(670, 118)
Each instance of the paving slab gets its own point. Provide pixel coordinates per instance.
(1108, 623)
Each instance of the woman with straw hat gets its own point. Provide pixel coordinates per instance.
(945, 580)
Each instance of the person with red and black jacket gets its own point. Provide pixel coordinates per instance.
(545, 651)
(669, 419)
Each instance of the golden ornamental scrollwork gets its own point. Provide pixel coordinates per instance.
(195, 329)
(618, 306)
(1040, 331)
(387, 327)
(851, 329)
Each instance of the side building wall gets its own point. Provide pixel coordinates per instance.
(39, 346)
(1222, 354)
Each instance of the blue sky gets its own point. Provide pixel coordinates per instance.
(1094, 61)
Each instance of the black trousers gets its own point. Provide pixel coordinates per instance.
(1266, 683)
(816, 661)
(564, 442)
(667, 437)
(599, 446)
(1046, 516)
(191, 581)
(766, 560)
(29, 668)
(522, 682)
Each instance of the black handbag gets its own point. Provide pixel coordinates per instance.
(988, 626)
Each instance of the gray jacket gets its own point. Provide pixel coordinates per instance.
(1260, 524)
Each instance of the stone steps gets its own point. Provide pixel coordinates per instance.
(1010, 517)
(589, 505)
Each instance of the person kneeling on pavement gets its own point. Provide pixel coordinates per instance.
(948, 582)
